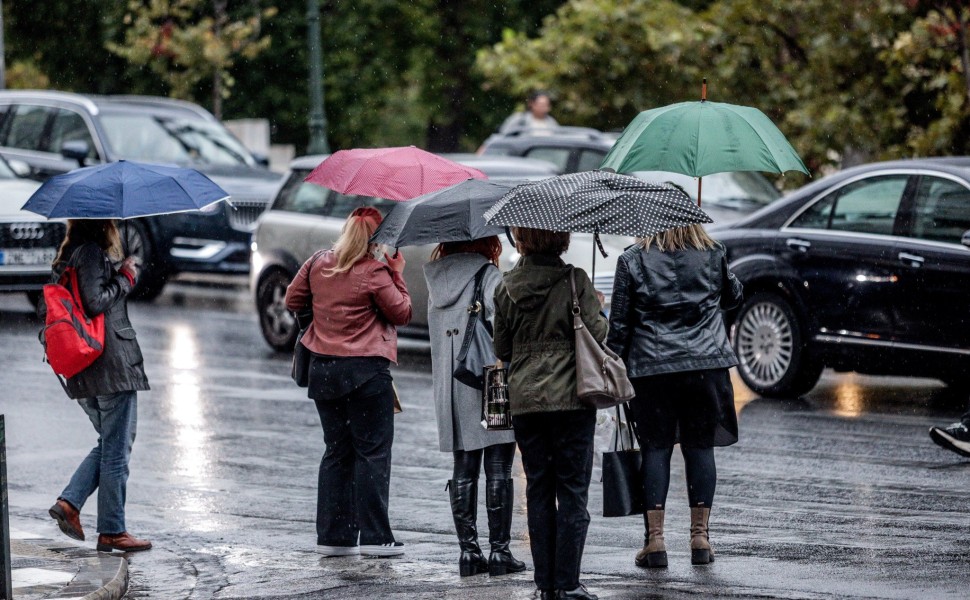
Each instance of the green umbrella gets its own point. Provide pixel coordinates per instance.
(700, 138)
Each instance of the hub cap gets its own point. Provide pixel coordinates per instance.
(279, 320)
(765, 344)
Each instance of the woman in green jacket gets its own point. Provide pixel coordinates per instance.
(534, 334)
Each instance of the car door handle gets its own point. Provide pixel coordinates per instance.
(913, 260)
(797, 244)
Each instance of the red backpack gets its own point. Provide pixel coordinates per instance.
(72, 340)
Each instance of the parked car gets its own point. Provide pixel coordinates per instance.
(727, 197)
(306, 217)
(44, 133)
(28, 242)
(866, 270)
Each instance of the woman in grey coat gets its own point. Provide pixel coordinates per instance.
(451, 278)
(108, 389)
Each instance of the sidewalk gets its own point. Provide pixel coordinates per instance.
(45, 568)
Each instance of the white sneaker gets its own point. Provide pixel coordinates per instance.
(389, 549)
(338, 550)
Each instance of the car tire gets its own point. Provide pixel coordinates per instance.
(773, 359)
(276, 322)
(152, 276)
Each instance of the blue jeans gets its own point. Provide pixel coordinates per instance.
(105, 468)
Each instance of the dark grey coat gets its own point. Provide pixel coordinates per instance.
(665, 315)
(103, 290)
(451, 286)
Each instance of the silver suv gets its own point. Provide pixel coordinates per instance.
(306, 217)
(44, 133)
(28, 243)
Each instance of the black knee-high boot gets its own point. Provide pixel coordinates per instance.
(464, 508)
(498, 501)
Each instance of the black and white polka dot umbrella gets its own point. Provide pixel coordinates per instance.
(596, 202)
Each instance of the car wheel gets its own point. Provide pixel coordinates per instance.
(277, 323)
(151, 275)
(771, 354)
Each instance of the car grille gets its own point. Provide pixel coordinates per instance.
(604, 283)
(31, 234)
(242, 213)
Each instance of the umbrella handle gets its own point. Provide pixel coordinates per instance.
(508, 234)
(704, 89)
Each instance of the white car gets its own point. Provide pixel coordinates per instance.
(28, 242)
(306, 217)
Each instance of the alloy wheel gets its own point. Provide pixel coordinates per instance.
(765, 344)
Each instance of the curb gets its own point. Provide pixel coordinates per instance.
(96, 575)
(115, 588)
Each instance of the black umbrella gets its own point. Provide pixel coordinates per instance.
(597, 202)
(453, 214)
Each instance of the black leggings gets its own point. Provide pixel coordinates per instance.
(498, 462)
(699, 467)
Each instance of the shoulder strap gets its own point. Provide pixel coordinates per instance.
(313, 261)
(479, 280)
(572, 287)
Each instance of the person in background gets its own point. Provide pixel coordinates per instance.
(108, 389)
(357, 301)
(666, 323)
(955, 437)
(451, 276)
(534, 335)
(536, 116)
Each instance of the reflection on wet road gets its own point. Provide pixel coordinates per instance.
(839, 493)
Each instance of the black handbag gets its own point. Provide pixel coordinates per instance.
(300, 369)
(622, 475)
(476, 351)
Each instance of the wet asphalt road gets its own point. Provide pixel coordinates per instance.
(838, 494)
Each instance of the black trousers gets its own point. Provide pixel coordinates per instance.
(355, 472)
(557, 456)
(498, 462)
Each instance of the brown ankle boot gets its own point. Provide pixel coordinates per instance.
(123, 541)
(654, 553)
(701, 552)
(68, 519)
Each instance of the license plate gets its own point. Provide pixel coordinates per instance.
(27, 256)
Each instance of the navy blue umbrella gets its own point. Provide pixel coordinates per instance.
(122, 190)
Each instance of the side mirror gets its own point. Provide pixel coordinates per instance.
(19, 167)
(965, 240)
(261, 159)
(76, 150)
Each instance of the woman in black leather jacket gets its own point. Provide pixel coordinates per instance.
(666, 323)
(107, 390)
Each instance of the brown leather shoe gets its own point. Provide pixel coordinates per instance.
(124, 541)
(68, 519)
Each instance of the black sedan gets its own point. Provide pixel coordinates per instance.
(866, 270)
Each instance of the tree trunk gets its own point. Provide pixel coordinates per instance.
(964, 50)
(219, 11)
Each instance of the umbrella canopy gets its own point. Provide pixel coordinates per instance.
(700, 138)
(453, 214)
(122, 190)
(400, 173)
(596, 202)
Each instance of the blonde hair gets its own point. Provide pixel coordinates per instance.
(679, 238)
(102, 232)
(354, 241)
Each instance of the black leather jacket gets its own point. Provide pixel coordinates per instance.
(666, 310)
(103, 290)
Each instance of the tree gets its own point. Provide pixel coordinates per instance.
(185, 45)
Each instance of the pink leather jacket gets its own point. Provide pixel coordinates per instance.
(354, 313)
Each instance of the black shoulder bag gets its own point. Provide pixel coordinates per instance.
(476, 351)
(300, 371)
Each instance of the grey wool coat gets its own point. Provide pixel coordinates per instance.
(451, 287)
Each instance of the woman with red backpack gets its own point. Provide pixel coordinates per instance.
(107, 390)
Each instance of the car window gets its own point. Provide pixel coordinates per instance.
(26, 127)
(817, 215)
(941, 210)
(557, 156)
(590, 160)
(69, 126)
(341, 205)
(870, 205)
(301, 197)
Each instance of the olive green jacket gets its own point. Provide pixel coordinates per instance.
(534, 332)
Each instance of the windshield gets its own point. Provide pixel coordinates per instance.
(151, 138)
(720, 188)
